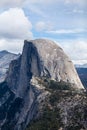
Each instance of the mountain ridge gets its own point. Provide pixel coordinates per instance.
(41, 70)
(5, 59)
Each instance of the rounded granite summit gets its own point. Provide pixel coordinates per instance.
(26, 94)
(53, 62)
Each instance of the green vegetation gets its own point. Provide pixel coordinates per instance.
(54, 85)
(49, 121)
(78, 127)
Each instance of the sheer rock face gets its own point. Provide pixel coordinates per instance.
(40, 58)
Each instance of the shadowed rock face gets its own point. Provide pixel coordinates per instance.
(55, 63)
(40, 58)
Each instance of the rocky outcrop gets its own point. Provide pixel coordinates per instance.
(5, 59)
(40, 59)
(64, 110)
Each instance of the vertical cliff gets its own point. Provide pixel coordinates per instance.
(41, 59)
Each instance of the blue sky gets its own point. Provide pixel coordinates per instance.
(64, 21)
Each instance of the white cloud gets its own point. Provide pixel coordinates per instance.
(21, 3)
(63, 31)
(14, 24)
(14, 28)
(11, 3)
(41, 1)
(78, 11)
(43, 26)
(80, 62)
(76, 49)
(78, 2)
(35, 9)
(11, 45)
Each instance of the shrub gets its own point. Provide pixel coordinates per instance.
(49, 121)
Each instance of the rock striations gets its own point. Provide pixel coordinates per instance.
(41, 58)
(5, 59)
(24, 94)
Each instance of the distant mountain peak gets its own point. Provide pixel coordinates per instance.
(5, 59)
(81, 66)
(4, 51)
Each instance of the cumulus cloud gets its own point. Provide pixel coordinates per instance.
(14, 28)
(11, 45)
(14, 24)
